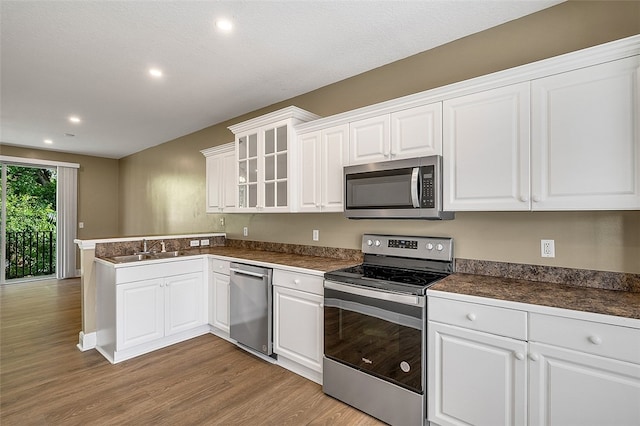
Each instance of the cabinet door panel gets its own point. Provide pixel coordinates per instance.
(486, 150)
(417, 132)
(184, 302)
(574, 388)
(220, 306)
(475, 378)
(335, 152)
(213, 165)
(585, 140)
(140, 310)
(370, 140)
(228, 182)
(298, 326)
(309, 171)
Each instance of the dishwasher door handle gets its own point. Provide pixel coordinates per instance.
(252, 274)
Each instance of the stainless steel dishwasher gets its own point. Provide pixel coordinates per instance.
(251, 313)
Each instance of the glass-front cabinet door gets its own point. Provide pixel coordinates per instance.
(248, 171)
(275, 167)
(266, 160)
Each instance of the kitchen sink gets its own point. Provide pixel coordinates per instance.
(129, 258)
(145, 256)
(164, 254)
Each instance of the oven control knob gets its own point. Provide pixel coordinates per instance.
(404, 366)
(378, 243)
(429, 246)
(369, 243)
(439, 247)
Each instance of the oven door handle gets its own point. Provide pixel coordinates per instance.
(415, 187)
(405, 299)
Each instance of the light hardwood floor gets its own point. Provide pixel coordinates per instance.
(46, 380)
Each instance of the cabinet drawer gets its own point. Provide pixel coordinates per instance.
(490, 319)
(298, 281)
(220, 266)
(596, 338)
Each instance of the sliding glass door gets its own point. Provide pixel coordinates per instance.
(38, 223)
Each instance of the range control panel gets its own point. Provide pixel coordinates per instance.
(434, 248)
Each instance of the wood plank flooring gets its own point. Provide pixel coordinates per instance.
(46, 380)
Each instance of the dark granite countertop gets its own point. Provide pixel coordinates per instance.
(607, 302)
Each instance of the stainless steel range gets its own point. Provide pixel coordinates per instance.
(375, 326)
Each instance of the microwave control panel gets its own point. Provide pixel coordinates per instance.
(428, 187)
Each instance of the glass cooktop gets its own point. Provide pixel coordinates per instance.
(408, 281)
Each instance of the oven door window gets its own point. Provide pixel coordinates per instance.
(379, 337)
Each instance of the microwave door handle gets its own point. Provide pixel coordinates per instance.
(415, 187)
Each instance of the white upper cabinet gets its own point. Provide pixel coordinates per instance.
(370, 140)
(220, 178)
(576, 149)
(323, 154)
(417, 132)
(266, 159)
(413, 132)
(486, 150)
(585, 138)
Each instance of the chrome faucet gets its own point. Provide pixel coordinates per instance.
(146, 249)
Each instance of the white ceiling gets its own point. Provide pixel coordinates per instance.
(91, 59)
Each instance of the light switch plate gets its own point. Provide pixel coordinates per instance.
(204, 242)
(194, 243)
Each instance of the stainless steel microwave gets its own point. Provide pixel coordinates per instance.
(397, 189)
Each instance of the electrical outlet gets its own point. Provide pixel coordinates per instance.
(245, 231)
(194, 243)
(204, 242)
(222, 221)
(316, 235)
(81, 225)
(547, 248)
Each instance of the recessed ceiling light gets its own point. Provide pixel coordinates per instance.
(155, 72)
(224, 25)
(48, 141)
(74, 119)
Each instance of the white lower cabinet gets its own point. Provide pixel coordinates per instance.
(152, 309)
(184, 308)
(298, 322)
(219, 297)
(491, 365)
(583, 373)
(476, 377)
(146, 307)
(141, 314)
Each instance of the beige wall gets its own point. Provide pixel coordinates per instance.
(97, 189)
(162, 188)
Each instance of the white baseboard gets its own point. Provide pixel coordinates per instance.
(87, 341)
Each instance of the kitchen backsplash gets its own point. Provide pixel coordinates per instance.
(549, 274)
(171, 244)
(552, 274)
(331, 252)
